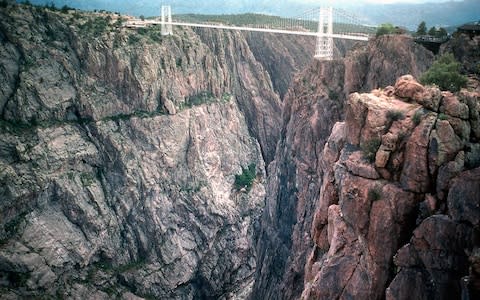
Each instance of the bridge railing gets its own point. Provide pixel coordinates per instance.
(429, 38)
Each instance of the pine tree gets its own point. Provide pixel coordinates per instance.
(422, 28)
(442, 32)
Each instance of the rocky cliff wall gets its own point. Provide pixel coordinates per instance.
(311, 108)
(398, 211)
(118, 153)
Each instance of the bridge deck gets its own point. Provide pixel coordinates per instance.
(359, 37)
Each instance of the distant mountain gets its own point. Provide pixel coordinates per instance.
(448, 13)
(445, 14)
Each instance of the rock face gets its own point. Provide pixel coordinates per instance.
(465, 50)
(395, 206)
(299, 177)
(118, 154)
(371, 219)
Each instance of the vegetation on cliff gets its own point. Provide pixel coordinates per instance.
(445, 73)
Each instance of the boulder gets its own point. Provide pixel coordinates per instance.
(430, 98)
(407, 87)
(453, 107)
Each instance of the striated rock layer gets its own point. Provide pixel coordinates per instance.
(311, 108)
(118, 154)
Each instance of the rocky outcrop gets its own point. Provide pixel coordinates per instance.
(465, 50)
(118, 155)
(298, 178)
(409, 211)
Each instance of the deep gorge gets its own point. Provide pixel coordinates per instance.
(119, 150)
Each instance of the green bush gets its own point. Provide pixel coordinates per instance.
(374, 194)
(87, 179)
(386, 28)
(65, 9)
(245, 180)
(445, 73)
(417, 117)
(133, 39)
(369, 149)
(442, 116)
(394, 115)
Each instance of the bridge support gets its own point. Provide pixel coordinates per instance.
(324, 48)
(166, 20)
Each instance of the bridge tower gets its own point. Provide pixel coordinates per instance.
(166, 20)
(324, 48)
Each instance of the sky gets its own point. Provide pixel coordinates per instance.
(373, 11)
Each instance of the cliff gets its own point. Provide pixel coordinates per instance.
(120, 150)
(118, 155)
(398, 207)
(381, 204)
(311, 108)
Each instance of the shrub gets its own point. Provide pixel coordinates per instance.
(374, 194)
(333, 95)
(386, 28)
(445, 73)
(87, 179)
(133, 39)
(65, 9)
(392, 116)
(395, 115)
(417, 117)
(442, 116)
(369, 149)
(200, 98)
(245, 180)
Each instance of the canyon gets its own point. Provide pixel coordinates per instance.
(120, 148)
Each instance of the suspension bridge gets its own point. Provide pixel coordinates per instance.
(325, 24)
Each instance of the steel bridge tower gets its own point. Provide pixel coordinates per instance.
(324, 48)
(166, 20)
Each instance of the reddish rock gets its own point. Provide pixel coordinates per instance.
(336, 273)
(357, 165)
(461, 127)
(453, 107)
(415, 176)
(449, 171)
(407, 87)
(437, 248)
(389, 141)
(409, 284)
(381, 158)
(444, 144)
(430, 98)
(334, 144)
(464, 197)
(356, 112)
(472, 99)
(389, 91)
